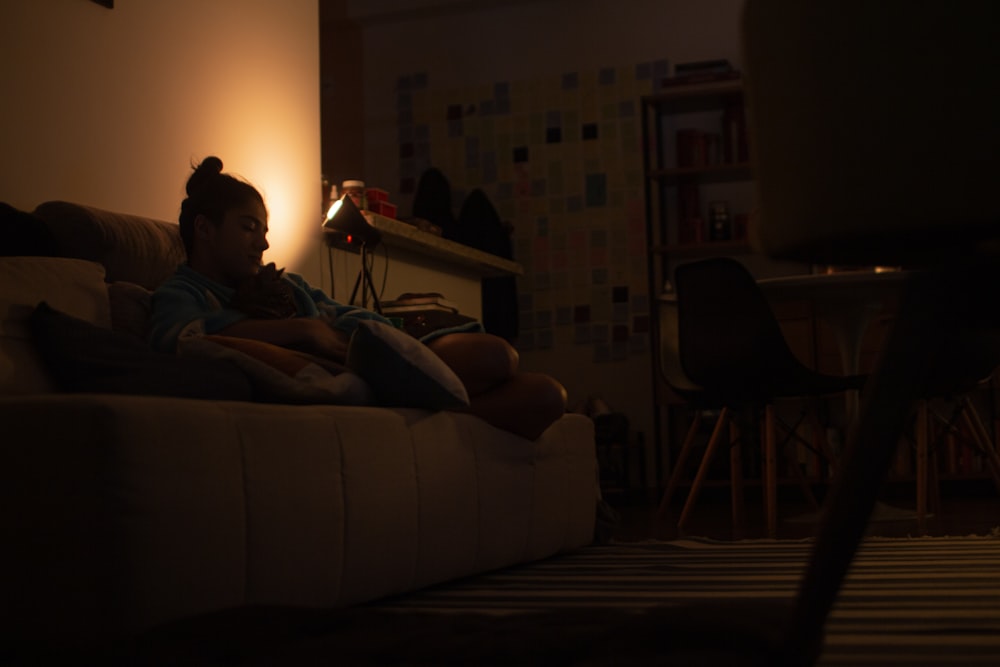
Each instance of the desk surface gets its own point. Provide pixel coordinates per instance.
(842, 283)
(402, 235)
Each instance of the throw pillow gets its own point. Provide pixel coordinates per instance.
(73, 286)
(280, 375)
(131, 247)
(82, 357)
(131, 306)
(402, 371)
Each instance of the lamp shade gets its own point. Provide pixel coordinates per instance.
(344, 217)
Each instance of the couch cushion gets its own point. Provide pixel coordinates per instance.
(128, 512)
(82, 357)
(71, 285)
(132, 248)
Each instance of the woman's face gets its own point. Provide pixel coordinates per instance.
(236, 245)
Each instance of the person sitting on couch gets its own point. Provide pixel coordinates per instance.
(223, 288)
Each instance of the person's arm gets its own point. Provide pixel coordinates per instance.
(340, 317)
(308, 334)
(180, 309)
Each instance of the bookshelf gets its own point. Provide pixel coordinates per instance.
(698, 181)
(695, 154)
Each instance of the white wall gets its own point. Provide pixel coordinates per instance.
(514, 40)
(110, 107)
(461, 43)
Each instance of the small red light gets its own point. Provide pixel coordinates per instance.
(349, 238)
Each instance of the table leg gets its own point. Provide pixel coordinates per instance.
(849, 320)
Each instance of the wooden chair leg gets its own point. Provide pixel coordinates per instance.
(922, 427)
(706, 460)
(934, 484)
(770, 473)
(793, 464)
(820, 442)
(736, 480)
(678, 471)
(982, 437)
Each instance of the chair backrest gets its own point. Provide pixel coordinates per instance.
(874, 128)
(671, 368)
(729, 340)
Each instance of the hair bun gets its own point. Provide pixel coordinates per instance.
(209, 167)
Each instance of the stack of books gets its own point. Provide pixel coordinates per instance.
(409, 302)
(701, 72)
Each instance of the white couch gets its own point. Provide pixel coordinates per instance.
(121, 512)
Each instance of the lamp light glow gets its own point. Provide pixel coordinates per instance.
(345, 217)
(345, 223)
(332, 211)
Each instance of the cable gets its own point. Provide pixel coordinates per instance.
(385, 271)
(329, 267)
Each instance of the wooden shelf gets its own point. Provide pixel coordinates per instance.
(706, 249)
(401, 235)
(707, 89)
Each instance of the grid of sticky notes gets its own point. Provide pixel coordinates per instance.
(560, 157)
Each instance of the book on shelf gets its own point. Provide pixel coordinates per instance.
(416, 308)
(697, 148)
(699, 77)
(703, 66)
(735, 147)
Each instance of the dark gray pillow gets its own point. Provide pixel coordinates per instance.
(82, 357)
(402, 371)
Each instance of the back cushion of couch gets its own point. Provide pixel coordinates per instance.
(132, 248)
(73, 286)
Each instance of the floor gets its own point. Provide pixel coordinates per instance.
(968, 507)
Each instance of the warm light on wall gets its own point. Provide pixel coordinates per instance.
(282, 162)
(256, 107)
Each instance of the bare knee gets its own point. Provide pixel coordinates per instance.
(526, 404)
(542, 401)
(549, 395)
(494, 356)
(482, 361)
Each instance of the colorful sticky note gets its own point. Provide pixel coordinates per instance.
(544, 341)
(596, 189)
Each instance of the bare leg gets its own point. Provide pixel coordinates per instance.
(481, 361)
(522, 403)
(525, 404)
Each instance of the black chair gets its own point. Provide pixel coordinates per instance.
(932, 430)
(701, 404)
(732, 355)
(857, 163)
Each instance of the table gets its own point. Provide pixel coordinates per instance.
(847, 301)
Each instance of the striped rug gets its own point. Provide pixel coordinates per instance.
(922, 601)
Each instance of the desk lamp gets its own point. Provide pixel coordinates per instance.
(345, 224)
